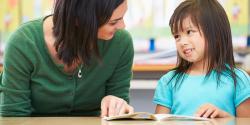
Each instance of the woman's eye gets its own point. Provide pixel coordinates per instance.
(113, 23)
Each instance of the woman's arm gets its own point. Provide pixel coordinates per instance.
(243, 110)
(117, 87)
(15, 79)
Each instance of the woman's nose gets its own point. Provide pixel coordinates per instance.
(121, 24)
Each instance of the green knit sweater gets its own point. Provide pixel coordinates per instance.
(32, 84)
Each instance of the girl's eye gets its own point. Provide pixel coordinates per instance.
(189, 32)
(176, 36)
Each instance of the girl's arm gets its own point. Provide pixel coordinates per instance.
(243, 110)
(161, 110)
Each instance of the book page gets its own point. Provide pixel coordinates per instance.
(136, 115)
(149, 116)
(177, 117)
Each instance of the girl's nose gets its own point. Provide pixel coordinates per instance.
(183, 41)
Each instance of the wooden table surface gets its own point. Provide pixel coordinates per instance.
(99, 121)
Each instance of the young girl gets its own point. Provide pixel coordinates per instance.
(205, 82)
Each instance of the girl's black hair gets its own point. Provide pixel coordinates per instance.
(210, 18)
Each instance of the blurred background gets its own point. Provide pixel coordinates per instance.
(147, 21)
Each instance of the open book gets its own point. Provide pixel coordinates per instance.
(157, 117)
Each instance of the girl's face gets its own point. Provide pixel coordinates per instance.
(116, 22)
(190, 42)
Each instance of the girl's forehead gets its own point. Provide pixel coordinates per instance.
(186, 23)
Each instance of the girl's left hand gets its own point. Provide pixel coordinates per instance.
(211, 111)
(112, 106)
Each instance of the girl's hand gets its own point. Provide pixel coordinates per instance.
(112, 106)
(211, 111)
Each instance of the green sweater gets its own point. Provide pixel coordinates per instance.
(32, 84)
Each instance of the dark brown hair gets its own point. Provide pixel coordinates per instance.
(210, 18)
(76, 24)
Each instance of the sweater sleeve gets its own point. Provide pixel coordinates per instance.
(119, 83)
(15, 78)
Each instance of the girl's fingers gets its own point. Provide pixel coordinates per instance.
(214, 114)
(208, 112)
(201, 111)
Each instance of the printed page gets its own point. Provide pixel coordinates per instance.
(136, 115)
(177, 117)
(149, 116)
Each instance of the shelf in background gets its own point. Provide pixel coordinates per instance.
(149, 67)
(150, 71)
(143, 84)
(153, 71)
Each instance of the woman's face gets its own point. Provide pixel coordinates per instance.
(116, 22)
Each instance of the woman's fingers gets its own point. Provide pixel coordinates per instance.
(112, 106)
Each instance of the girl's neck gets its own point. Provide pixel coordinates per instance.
(198, 69)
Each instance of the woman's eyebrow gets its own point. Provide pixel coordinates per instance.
(114, 20)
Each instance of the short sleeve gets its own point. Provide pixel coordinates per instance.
(242, 87)
(163, 93)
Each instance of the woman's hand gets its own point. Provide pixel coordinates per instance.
(211, 111)
(112, 106)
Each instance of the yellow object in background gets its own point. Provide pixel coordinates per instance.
(15, 12)
(37, 9)
(237, 11)
(9, 16)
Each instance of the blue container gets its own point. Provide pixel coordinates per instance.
(152, 45)
(248, 41)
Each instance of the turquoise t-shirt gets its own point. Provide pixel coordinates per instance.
(194, 91)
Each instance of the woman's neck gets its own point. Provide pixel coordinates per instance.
(50, 40)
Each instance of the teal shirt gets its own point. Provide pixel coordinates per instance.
(32, 84)
(194, 91)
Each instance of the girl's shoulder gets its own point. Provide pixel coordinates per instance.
(168, 76)
(241, 72)
(242, 76)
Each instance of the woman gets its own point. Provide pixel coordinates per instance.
(75, 62)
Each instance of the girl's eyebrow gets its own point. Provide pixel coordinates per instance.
(189, 27)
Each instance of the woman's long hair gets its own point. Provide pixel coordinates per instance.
(76, 24)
